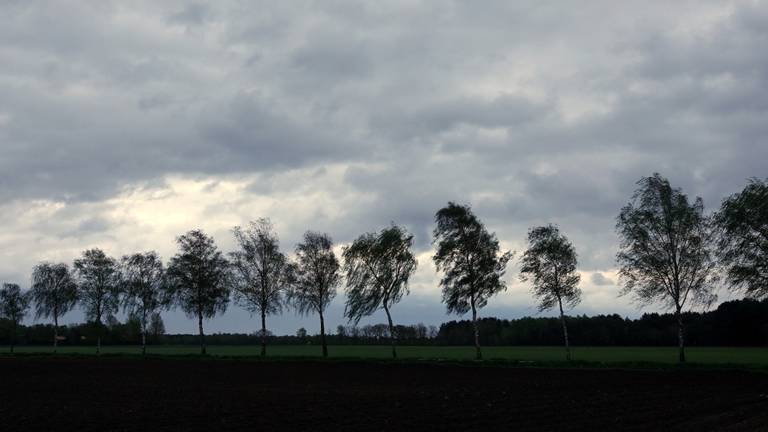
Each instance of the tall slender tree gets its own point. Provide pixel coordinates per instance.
(743, 238)
(54, 292)
(199, 279)
(14, 305)
(377, 267)
(262, 274)
(666, 250)
(550, 264)
(471, 261)
(142, 279)
(98, 288)
(317, 277)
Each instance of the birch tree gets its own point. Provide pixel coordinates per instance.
(377, 267)
(98, 288)
(262, 274)
(142, 279)
(665, 252)
(198, 279)
(743, 239)
(550, 264)
(14, 305)
(54, 293)
(317, 277)
(470, 259)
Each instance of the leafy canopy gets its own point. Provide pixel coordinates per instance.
(469, 257)
(665, 250)
(743, 238)
(377, 267)
(13, 302)
(262, 274)
(198, 276)
(143, 284)
(98, 278)
(317, 274)
(54, 290)
(550, 264)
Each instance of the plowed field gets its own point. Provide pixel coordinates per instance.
(89, 394)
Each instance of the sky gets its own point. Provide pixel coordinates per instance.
(126, 124)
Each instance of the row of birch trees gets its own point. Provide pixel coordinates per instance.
(670, 253)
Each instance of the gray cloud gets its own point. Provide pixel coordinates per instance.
(191, 14)
(600, 280)
(90, 226)
(363, 114)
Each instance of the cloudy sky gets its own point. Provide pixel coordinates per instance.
(125, 124)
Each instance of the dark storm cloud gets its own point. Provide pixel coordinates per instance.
(505, 111)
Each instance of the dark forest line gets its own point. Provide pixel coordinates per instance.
(733, 323)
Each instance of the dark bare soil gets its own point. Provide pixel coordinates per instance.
(188, 394)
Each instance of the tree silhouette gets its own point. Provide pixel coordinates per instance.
(54, 292)
(665, 253)
(317, 277)
(377, 267)
(471, 262)
(262, 274)
(743, 238)
(142, 278)
(198, 279)
(550, 264)
(98, 287)
(14, 305)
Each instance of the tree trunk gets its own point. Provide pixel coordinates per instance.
(202, 335)
(98, 336)
(565, 332)
(13, 336)
(392, 337)
(680, 335)
(55, 333)
(478, 354)
(322, 335)
(263, 333)
(144, 331)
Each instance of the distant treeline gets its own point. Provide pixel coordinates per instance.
(733, 323)
(129, 333)
(113, 333)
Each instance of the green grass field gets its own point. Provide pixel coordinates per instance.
(707, 355)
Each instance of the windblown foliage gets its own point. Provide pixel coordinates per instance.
(54, 292)
(550, 264)
(14, 305)
(743, 238)
(98, 287)
(317, 277)
(143, 285)
(262, 274)
(666, 249)
(470, 259)
(377, 267)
